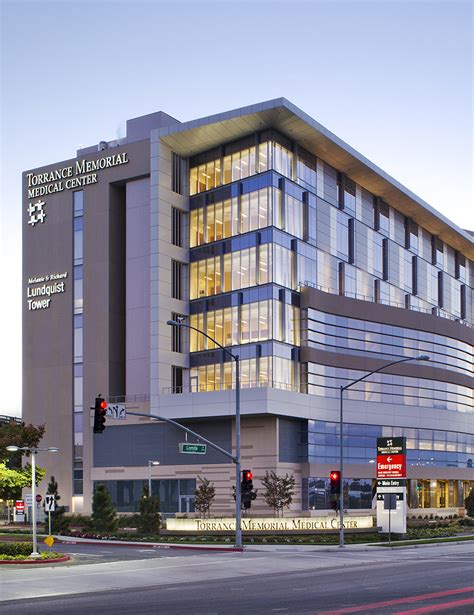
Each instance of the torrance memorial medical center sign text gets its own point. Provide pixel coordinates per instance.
(81, 173)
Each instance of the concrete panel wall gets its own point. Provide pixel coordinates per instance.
(137, 246)
(162, 252)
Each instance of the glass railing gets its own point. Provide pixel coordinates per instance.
(246, 384)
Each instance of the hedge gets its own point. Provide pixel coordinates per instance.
(16, 548)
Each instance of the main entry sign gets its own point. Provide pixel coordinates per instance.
(391, 457)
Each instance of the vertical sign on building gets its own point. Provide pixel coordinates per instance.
(391, 478)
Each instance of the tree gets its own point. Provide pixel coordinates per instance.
(279, 491)
(203, 496)
(149, 519)
(58, 520)
(13, 481)
(469, 503)
(18, 434)
(104, 515)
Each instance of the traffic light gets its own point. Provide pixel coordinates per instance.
(100, 410)
(335, 478)
(246, 486)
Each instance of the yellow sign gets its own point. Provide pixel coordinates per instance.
(49, 540)
(257, 524)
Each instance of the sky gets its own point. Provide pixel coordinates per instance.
(392, 79)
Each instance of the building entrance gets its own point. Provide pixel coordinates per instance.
(186, 503)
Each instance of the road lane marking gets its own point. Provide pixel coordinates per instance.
(387, 603)
(437, 607)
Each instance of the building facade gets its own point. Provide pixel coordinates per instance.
(282, 243)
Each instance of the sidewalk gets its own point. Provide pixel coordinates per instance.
(362, 547)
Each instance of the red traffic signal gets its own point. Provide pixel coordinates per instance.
(100, 410)
(247, 475)
(335, 478)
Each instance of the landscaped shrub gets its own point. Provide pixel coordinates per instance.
(16, 548)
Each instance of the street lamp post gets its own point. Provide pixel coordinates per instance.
(34, 452)
(150, 464)
(234, 357)
(341, 426)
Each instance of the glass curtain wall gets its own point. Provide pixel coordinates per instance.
(250, 212)
(273, 371)
(244, 324)
(242, 269)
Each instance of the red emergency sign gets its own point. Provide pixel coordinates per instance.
(391, 466)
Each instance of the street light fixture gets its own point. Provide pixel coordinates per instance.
(34, 451)
(341, 424)
(150, 464)
(234, 357)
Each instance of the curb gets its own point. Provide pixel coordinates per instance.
(154, 545)
(58, 560)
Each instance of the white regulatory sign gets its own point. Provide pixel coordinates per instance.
(49, 503)
(116, 411)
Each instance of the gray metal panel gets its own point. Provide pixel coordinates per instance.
(289, 440)
(134, 445)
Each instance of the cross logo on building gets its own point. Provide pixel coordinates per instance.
(36, 213)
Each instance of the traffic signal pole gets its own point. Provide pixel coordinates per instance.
(238, 495)
(341, 469)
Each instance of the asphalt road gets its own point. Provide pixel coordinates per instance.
(96, 553)
(401, 581)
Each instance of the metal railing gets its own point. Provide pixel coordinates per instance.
(4, 418)
(130, 399)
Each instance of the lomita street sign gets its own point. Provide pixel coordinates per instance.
(194, 449)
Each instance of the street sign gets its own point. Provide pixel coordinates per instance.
(116, 411)
(49, 503)
(391, 482)
(391, 466)
(391, 446)
(29, 499)
(49, 540)
(195, 449)
(389, 501)
(19, 511)
(38, 498)
(20, 506)
(398, 497)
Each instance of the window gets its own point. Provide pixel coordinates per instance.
(176, 227)
(176, 379)
(78, 294)
(437, 252)
(382, 216)
(176, 279)
(411, 235)
(385, 261)
(177, 173)
(177, 338)
(349, 195)
(460, 267)
(78, 200)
